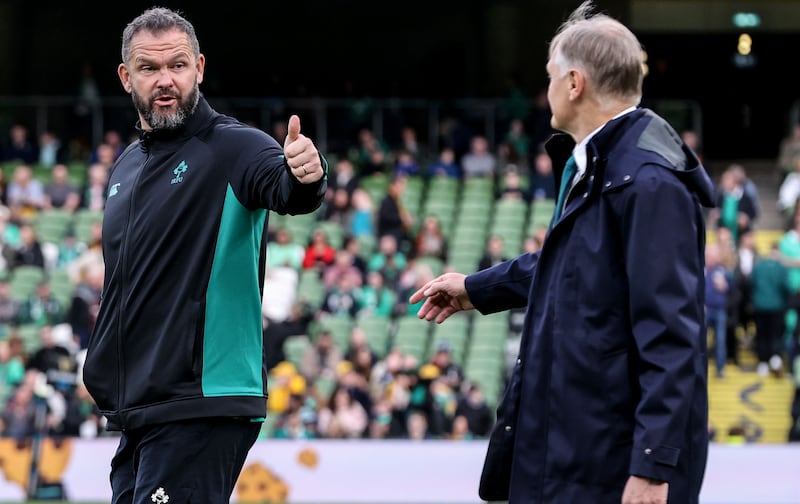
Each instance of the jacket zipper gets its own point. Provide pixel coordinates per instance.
(123, 277)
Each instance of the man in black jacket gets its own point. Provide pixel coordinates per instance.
(176, 359)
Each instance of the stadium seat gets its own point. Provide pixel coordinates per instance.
(376, 329)
(52, 225)
(83, 221)
(411, 336)
(61, 286)
(24, 280)
(455, 334)
(294, 347)
(340, 328)
(310, 288)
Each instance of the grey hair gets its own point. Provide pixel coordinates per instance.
(602, 47)
(158, 20)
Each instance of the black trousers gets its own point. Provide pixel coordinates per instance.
(195, 462)
(769, 333)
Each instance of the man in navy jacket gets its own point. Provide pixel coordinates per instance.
(607, 402)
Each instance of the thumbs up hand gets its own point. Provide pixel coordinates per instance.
(301, 155)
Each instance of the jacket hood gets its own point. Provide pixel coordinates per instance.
(656, 136)
(661, 139)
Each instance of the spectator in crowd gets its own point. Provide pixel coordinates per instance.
(319, 253)
(338, 208)
(718, 284)
(29, 252)
(542, 184)
(388, 259)
(51, 150)
(344, 418)
(788, 149)
(409, 142)
(94, 191)
(19, 412)
(445, 165)
(51, 356)
(344, 176)
(430, 239)
(342, 265)
(393, 217)
(321, 358)
(362, 218)
(9, 307)
(406, 164)
(770, 295)
(19, 146)
(25, 194)
(360, 354)
(473, 408)
(109, 149)
(12, 368)
(789, 246)
(479, 160)
(494, 252)
(518, 142)
(417, 426)
(378, 163)
(284, 252)
(341, 299)
(376, 297)
(60, 193)
(511, 187)
(353, 246)
(85, 304)
(41, 307)
(735, 208)
(789, 190)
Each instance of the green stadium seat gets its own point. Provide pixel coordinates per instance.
(377, 331)
(294, 347)
(51, 225)
(340, 328)
(24, 280)
(83, 221)
(310, 288)
(411, 336)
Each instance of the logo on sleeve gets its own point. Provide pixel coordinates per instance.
(179, 171)
(113, 190)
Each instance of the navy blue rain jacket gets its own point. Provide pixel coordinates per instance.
(611, 379)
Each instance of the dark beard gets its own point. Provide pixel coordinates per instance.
(168, 120)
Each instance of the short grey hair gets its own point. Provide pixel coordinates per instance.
(602, 47)
(158, 20)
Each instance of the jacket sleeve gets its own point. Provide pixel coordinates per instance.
(503, 286)
(262, 179)
(662, 233)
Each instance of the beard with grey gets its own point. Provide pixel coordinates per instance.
(160, 118)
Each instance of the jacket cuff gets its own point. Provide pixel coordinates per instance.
(657, 463)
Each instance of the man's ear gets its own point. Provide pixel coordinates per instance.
(124, 77)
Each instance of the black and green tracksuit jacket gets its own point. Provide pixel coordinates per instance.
(179, 333)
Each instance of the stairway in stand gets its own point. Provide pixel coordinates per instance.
(758, 407)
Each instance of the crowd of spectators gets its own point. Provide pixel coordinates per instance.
(365, 252)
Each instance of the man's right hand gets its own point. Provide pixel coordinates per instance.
(446, 295)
